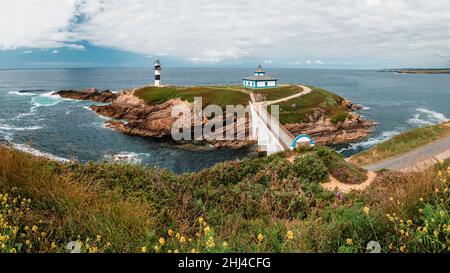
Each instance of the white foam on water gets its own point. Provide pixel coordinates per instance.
(384, 136)
(30, 150)
(7, 127)
(126, 157)
(365, 108)
(18, 93)
(426, 117)
(7, 136)
(22, 115)
(45, 100)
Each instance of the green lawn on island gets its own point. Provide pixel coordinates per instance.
(402, 143)
(298, 109)
(295, 110)
(219, 95)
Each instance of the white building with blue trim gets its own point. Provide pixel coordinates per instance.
(259, 80)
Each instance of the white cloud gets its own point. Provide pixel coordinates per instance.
(35, 23)
(394, 31)
(75, 47)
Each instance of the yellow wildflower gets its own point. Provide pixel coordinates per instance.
(366, 210)
(143, 249)
(176, 251)
(194, 250)
(290, 235)
(53, 245)
(207, 230)
(225, 244)
(156, 248)
(162, 241)
(349, 242)
(260, 237)
(170, 233)
(402, 248)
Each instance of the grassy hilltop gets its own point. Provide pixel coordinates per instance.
(255, 205)
(295, 110)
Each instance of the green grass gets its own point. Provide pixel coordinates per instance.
(126, 208)
(402, 143)
(219, 95)
(295, 110)
(298, 110)
(276, 93)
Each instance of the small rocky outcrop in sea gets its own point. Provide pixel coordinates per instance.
(89, 94)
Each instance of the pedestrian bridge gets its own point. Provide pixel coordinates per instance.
(272, 137)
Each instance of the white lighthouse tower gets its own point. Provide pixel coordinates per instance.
(157, 70)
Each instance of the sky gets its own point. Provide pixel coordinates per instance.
(343, 34)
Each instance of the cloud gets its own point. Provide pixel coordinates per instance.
(371, 31)
(75, 47)
(36, 23)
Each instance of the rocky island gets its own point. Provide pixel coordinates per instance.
(146, 111)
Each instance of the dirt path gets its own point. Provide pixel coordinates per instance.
(306, 90)
(334, 184)
(416, 159)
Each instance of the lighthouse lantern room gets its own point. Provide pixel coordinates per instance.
(157, 69)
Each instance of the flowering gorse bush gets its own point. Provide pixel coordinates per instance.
(430, 232)
(15, 234)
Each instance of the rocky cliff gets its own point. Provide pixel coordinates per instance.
(133, 116)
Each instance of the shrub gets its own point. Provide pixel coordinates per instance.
(310, 168)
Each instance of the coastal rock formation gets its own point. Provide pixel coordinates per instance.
(132, 116)
(89, 94)
(326, 132)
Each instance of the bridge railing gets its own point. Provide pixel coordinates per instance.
(283, 136)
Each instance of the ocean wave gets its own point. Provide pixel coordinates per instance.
(384, 136)
(6, 136)
(30, 150)
(7, 127)
(365, 108)
(20, 93)
(45, 100)
(126, 157)
(427, 117)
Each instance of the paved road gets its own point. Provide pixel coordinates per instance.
(417, 158)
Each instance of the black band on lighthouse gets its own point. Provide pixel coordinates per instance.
(158, 77)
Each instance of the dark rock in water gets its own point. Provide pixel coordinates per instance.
(91, 94)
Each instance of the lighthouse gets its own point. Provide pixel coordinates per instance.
(157, 70)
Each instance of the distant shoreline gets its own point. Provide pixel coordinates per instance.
(419, 71)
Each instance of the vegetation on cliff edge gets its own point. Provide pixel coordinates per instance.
(402, 143)
(255, 205)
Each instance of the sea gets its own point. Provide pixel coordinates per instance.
(35, 121)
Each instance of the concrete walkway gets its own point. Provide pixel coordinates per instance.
(417, 159)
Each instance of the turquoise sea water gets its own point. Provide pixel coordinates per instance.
(34, 120)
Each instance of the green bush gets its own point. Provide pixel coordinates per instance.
(310, 168)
